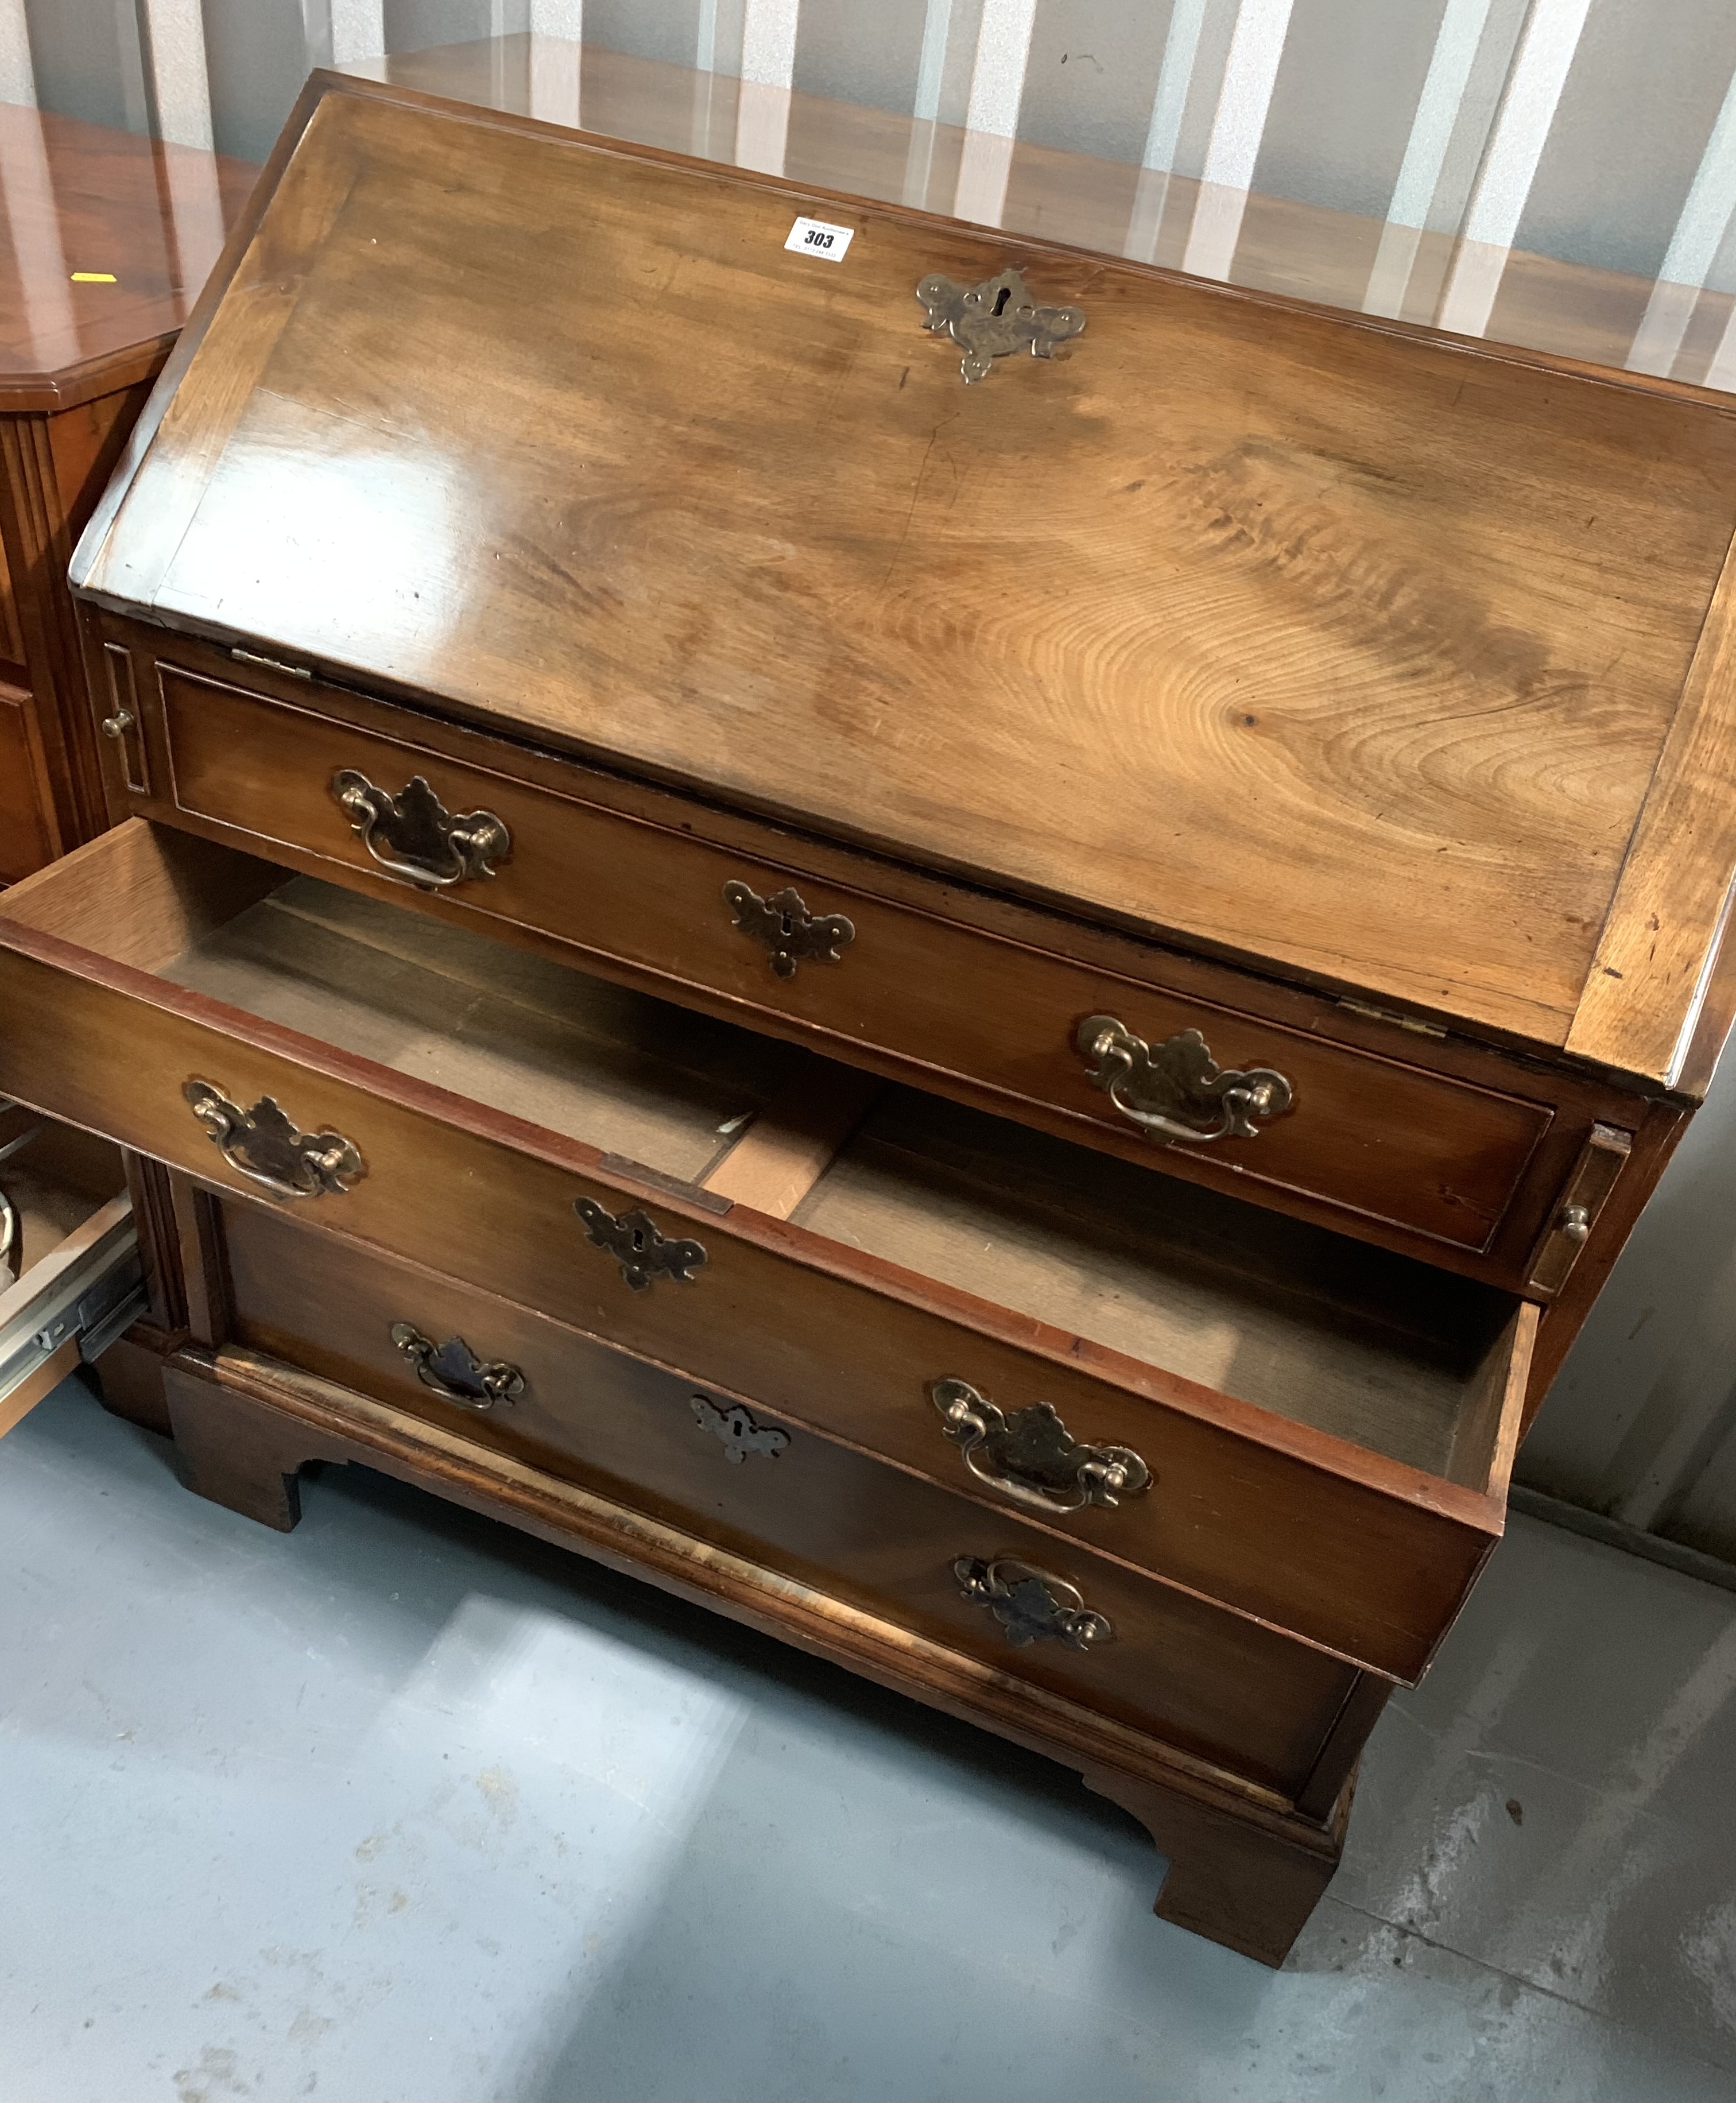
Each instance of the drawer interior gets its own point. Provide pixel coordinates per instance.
(1410, 1363)
(620, 1070)
(52, 1178)
(1370, 1346)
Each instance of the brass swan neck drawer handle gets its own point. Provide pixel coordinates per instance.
(263, 1145)
(413, 836)
(1031, 1605)
(454, 1371)
(1160, 1087)
(994, 319)
(784, 928)
(1031, 1456)
(638, 1245)
(738, 1433)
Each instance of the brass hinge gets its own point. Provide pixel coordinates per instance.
(1414, 1023)
(271, 663)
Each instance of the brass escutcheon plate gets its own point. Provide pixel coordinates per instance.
(994, 319)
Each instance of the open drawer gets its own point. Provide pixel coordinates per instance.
(70, 1277)
(1313, 1433)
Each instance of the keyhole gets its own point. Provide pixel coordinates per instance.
(1002, 297)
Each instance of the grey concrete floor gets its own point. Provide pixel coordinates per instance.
(405, 1806)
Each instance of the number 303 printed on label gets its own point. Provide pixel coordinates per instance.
(816, 237)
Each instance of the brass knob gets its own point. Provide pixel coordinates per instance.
(1575, 1222)
(118, 725)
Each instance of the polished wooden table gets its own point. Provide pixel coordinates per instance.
(105, 242)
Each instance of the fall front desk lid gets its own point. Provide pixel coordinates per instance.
(1389, 659)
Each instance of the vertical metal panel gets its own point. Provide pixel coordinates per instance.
(255, 63)
(1250, 73)
(834, 59)
(88, 61)
(1655, 80)
(1695, 241)
(1350, 82)
(1638, 1425)
(1091, 76)
(359, 30)
(17, 69)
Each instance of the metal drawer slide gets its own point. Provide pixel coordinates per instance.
(67, 1308)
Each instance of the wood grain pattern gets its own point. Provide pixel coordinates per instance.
(1577, 1099)
(145, 907)
(246, 1426)
(56, 1183)
(1229, 1881)
(1361, 1555)
(821, 1513)
(1307, 251)
(88, 196)
(1447, 664)
(788, 1147)
(1375, 1137)
(51, 469)
(1660, 944)
(27, 835)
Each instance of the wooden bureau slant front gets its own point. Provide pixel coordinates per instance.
(996, 1011)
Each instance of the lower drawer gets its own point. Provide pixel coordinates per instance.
(70, 1278)
(1208, 1683)
(1313, 1433)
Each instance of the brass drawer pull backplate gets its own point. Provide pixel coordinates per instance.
(785, 929)
(454, 1371)
(739, 1433)
(1031, 1456)
(1160, 1087)
(415, 838)
(1032, 1605)
(637, 1244)
(262, 1145)
(994, 319)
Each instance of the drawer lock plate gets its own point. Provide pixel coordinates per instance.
(785, 929)
(637, 1244)
(994, 319)
(735, 1427)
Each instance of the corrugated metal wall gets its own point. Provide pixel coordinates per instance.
(1599, 131)
(1602, 131)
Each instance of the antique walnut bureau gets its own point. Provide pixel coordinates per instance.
(996, 1011)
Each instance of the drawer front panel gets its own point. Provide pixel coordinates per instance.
(1207, 1682)
(1382, 1141)
(1357, 1553)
